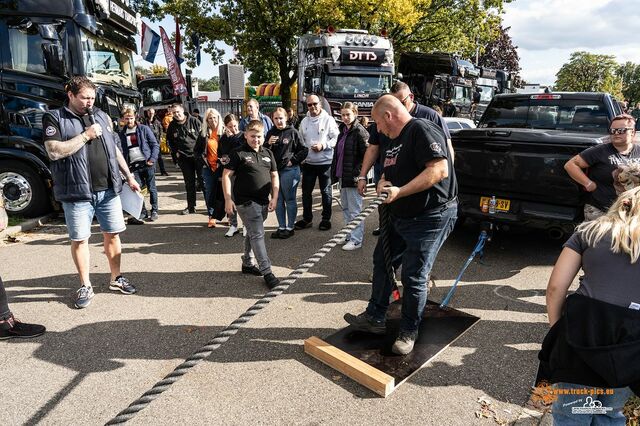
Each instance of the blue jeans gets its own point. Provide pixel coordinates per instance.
(104, 205)
(351, 207)
(416, 241)
(211, 187)
(147, 177)
(311, 172)
(287, 207)
(574, 409)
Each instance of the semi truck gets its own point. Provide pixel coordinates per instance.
(344, 65)
(435, 78)
(490, 82)
(47, 42)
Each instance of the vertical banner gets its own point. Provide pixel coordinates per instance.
(177, 79)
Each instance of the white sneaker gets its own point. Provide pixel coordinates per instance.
(350, 246)
(233, 230)
(341, 240)
(244, 231)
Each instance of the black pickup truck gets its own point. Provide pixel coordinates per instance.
(517, 155)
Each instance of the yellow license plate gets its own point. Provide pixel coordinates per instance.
(501, 204)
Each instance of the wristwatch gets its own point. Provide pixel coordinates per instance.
(359, 178)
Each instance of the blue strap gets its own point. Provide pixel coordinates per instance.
(482, 239)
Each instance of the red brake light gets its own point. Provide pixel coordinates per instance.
(545, 96)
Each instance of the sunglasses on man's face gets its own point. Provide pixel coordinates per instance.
(620, 130)
(312, 104)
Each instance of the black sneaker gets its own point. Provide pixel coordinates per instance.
(188, 210)
(12, 328)
(364, 322)
(253, 270)
(303, 224)
(325, 225)
(277, 234)
(287, 233)
(133, 221)
(271, 281)
(404, 343)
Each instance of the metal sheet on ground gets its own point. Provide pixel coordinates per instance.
(439, 328)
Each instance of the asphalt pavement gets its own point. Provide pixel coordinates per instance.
(92, 363)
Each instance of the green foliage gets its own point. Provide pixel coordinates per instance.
(630, 75)
(210, 85)
(262, 70)
(588, 72)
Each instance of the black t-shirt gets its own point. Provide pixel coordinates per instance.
(406, 156)
(603, 161)
(252, 171)
(226, 144)
(422, 111)
(96, 154)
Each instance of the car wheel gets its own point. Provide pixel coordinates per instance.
(24, 192)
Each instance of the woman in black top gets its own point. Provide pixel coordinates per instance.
(289, 151)
(345, 168)
(230, 140)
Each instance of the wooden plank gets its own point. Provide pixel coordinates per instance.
(368, 376)
(439, 329)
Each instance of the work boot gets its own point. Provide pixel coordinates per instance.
(271, 281)
(252, 270)
(364, 322)
(404, 343)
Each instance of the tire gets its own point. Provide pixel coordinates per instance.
(24, 192)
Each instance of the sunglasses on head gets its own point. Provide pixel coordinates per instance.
(620, 130)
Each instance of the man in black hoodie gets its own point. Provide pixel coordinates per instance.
(182, 134)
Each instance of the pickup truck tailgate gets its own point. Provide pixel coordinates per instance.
(519, 163)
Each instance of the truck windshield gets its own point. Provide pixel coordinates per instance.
(26, 45)
(106, 62)
(579, 115)
(157, 92)
(486, 93)
(349, 85)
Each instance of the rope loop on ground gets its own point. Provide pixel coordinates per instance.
(223, 336)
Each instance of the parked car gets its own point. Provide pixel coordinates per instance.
(455, 124)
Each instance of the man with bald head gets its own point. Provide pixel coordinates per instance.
(420, 183)
(319, 133)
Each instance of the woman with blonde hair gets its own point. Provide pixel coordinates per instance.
(206, 152)
(594, 341)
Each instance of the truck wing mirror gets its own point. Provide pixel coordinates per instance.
(54, 60)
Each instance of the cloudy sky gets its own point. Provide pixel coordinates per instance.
(545, 31)
(548, 31)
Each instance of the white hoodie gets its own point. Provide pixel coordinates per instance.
(324, 129)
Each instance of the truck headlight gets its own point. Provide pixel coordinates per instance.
(366, 40)
(358, 39)
(349, 39)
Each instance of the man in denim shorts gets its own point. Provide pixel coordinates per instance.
(86, 166)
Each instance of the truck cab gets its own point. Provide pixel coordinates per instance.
(341, 66)
(45, 44)
(436, 77)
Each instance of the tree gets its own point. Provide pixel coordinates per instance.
(630, 75)
(262, 71)
(501, 54)
(210, 85)
(588, 72)
(266, 31)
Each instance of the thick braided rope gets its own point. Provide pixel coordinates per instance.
(141, 403)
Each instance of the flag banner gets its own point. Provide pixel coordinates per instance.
(179, 57)
(150, 42)
(177, 79)
(195, 40)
